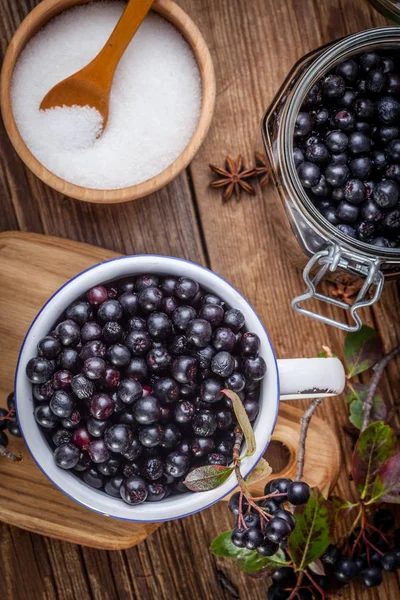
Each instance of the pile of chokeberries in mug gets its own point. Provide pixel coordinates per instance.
(128, 385)
(347, 147)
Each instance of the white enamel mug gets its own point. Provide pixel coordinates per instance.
(285, 379)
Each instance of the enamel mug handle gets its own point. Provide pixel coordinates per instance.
(310, 377)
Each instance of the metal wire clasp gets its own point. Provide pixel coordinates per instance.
(331, 259)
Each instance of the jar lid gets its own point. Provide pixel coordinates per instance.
(388, 8)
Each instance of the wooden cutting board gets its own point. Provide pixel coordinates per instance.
(32, 267)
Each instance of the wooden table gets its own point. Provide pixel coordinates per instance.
(253, 44)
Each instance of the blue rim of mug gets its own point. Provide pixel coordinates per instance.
(81, 273)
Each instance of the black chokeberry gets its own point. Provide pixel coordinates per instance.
(204, 424)
(199, 332)
(177, 464)
(66, 456)
(277, 530)
(237, 536)
(388, 109)
(147, 280)
(267, 548)
(336, 174)
(345, 569)
(303, 125)
(213, 313)
(298, 492)
(149, 299)
(62, 404)
(348, 69)
(39, 370)
(386, 194)
(354, 191)
(252, 538)
(184, 369)
(184, 412)
(186, 289)
(333, 86)
(202, 446)
(234, 319)
(331, 555)
(211, 390)
(93, 478)
(371, 576)
(147, 410)
(309, 174)
(133, 490)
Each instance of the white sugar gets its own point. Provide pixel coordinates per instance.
(154, 105)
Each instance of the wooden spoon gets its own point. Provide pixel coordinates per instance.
(91, 85)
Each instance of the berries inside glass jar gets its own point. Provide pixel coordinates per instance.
(128, 385)
(347, 147)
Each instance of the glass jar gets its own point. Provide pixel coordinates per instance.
(388, 8)
(327, 252)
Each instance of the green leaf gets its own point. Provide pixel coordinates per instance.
(248, 560)
(260, 471)
(207, 477)
(374, 446)
(356, 413)
(362, 349)
(387, 483)
(356, 394)
(243, 421)
(313, 532)
(341, 507)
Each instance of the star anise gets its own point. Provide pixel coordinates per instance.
(262, 168)
(345, 291)
(233, 178)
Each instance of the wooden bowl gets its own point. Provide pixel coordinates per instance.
(36, 19)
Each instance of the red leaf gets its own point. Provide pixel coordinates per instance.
(387, 483)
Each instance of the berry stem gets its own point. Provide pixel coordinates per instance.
(241, 522)
(268, 496)
(355, 523)
(357, 541)
(369, 543)
(10, 416)
(9, 455)
(294, 593)
(383, 536)
(379, 369)
(368, 555)
(305, 422)
(315, 584)
(238, 443)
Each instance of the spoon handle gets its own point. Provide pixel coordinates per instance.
(109, 57)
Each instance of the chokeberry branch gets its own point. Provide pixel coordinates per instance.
(9, 455)
(244, 491)
(305, 422)
(379, 368)
(238, 443)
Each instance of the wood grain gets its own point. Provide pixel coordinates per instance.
(253, 45)
(42, 508)
(36, 19)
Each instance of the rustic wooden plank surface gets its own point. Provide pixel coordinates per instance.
(253, 45)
